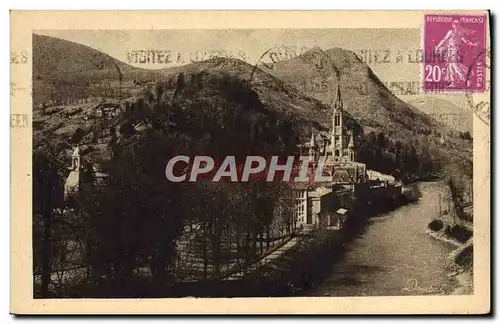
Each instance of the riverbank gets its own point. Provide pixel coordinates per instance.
(394, 256)
(301, 269)
(460, 260)
(382, 247)
(294, 269)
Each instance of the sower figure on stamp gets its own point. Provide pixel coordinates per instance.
(449, 47)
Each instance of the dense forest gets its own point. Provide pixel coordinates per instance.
(406, 162)
(107, 237)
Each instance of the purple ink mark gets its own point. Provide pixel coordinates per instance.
(455, 53)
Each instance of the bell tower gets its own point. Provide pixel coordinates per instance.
(337, 136)
(72, 184)
(313, 148)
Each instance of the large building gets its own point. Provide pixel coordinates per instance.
(321, 205)
(338, 146)
(329, 204)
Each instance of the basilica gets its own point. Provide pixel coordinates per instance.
(335, 148)
(329, 203)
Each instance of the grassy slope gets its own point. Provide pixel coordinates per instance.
(60, 63)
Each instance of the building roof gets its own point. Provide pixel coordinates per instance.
(300, 185)
(375, 175)
(320, 191)
(342, 211)
(344, 176)
(312, 186)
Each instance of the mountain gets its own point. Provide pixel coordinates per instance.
(63, 67)
(56, 58)
(275, 94)
(60, 64)
(365, 96)
(318, 73)
(226, 88)
(454, 116)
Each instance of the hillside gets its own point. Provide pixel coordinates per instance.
(220, 87)
(365, 97)
(375, 108)
(61, 66)
(263, 94)
(64, 66)
(455, 117)
(273, 93)
(294, 85)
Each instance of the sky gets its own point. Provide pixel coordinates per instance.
(397, 49)
(253, 43)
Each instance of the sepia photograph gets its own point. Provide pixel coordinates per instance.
(256, 162)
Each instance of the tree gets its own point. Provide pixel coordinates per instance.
(127, 129)
(457, 195)
(136, 215)
(77, 136)
(47, 196)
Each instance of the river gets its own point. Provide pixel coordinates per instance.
(394, 255)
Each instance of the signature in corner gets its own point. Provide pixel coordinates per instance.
(412, 285)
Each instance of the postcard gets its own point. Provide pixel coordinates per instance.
(250, 162)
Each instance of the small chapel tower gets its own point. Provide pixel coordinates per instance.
(351, 148)
(72, 184)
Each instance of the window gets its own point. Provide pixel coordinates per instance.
(336, 120)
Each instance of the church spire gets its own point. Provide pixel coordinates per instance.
(338, 104)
